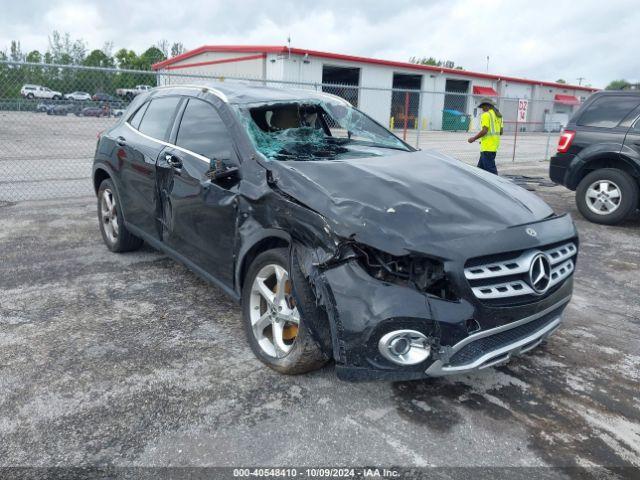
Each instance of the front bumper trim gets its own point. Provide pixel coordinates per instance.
(503, 354)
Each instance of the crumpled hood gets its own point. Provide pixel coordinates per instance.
(407, 201)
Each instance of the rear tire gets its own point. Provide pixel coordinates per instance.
(114, 233)
(273, 343)
(607, 196)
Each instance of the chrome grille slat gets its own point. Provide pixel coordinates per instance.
(562, 266)
(561, 253)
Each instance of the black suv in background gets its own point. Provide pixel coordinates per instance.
(599, 156)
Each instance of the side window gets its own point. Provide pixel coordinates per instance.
(629, 121)
(203, 131)
(636, 126)
(608, 111)
(134, 120)
(159, 117)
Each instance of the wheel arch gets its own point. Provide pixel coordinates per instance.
(606, 161)
(269, 239)
(100, 174)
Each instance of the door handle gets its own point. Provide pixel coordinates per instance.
(173, 161)
(121, 141)
(637, 143)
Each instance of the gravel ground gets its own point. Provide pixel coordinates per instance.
(132, 360)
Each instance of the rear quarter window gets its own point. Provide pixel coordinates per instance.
(608, 111)
(159, 117)
(136, 118)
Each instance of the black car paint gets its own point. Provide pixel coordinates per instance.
(440, 209)
(598, 147)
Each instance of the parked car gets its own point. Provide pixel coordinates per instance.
(342, 242)
(129, 93)
(78, 96)
(44, 107)
(599, 156)
(104, 97)
(38, 91)
(62, 109)
(99, 111)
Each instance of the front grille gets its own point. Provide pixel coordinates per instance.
(476, 349)
(507, 275)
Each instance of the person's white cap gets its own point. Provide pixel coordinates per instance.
(486, 100)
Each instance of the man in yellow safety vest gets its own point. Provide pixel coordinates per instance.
(489, 135)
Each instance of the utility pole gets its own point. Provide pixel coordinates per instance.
(580, 79)
(487, 63)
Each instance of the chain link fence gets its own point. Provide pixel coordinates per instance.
(51, 116)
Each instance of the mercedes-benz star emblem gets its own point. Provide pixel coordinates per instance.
(540, 273)
(532, 232)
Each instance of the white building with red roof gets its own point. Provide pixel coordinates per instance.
(381, 88)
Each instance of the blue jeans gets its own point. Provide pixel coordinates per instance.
(488, 162)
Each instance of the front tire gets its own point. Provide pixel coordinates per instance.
(114, 233)
(607, 196)
(275, 316)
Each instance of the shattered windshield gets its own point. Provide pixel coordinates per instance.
(316, 130)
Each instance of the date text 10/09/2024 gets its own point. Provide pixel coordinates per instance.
(368, 472)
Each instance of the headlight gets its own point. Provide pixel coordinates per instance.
(423, 273)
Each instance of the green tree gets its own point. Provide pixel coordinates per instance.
(425, 61)
(97, 58)
(177, 49)
(34, 56)
(126, 59)
(150, 56)
(561, 80)
(617, 84)
(163, 46)
(435, 63)
(65, 51)
(93, 81)
(15, 54)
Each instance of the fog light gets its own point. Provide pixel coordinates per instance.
(404, 347)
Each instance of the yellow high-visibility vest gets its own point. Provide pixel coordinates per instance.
(491, 141)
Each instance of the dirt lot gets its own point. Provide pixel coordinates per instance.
(132, 360)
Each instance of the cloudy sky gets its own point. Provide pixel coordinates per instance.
(541, 39)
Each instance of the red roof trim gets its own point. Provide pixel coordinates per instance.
(566, 99)
(214, 62)
(486, 91)
(352, 58)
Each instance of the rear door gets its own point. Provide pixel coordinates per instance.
(141, 140)
(198, 215)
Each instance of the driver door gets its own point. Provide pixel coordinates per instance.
(198, 215)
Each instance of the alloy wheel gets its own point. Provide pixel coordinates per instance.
(109, 215)
(603, 197)
(275, 319)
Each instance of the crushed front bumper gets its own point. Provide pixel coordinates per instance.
(497, 345)
(364, 310)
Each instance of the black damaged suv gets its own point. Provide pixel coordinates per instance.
(599, 156)
(340, 240)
